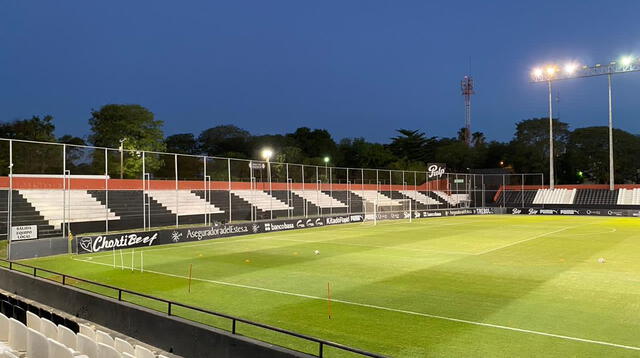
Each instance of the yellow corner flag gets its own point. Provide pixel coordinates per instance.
(70, 236)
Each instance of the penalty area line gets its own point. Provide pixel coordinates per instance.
(396, 310)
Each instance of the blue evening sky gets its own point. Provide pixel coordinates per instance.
(354, 67)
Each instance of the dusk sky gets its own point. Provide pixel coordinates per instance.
(356, 68)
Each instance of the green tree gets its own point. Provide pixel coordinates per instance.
(412, 145)
(315, 144)
(225, 140)
(31, 158)
(184, 143)
(588, 152)
(34, 128)
(138, 129)
(529, 149)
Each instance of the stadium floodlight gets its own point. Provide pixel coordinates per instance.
(626, 60)
(267, 153)
(570, 68)
(625, 65)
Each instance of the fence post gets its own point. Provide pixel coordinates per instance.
(175, 169)
(10, 201)
(169, 308)
(229, 185)
(233, 326)
(320, 350)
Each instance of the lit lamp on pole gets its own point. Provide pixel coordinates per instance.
(267, 153)
(326, 165)
(626, 64)
(122, 157)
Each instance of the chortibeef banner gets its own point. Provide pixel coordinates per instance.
(97, 243)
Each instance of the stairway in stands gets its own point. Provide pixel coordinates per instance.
(25, 214)
(127, 205)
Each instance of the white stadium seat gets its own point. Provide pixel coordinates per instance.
(58, 350)
(33, 321)
(37, 344)
(105, 351)
(4, 328)
(123, 346)
(67, 337)
(87, 331)
(48, 328)
(17, 335)
(142, 352)
(105, 338)
(87, 345)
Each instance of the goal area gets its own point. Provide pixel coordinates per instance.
(387, 210)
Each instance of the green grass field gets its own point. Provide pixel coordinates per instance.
(470, 286)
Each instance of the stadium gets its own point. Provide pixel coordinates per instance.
(286, 179)
(318, 261)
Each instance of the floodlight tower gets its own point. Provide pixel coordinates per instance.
(467, 91)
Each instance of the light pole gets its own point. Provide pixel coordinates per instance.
(572, 70)
(122, 157)
(552, 177)
(611, 171)
(550, 72)
(326, 166)
(267, 154)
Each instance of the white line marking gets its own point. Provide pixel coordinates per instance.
(445, 318)
(333, 242)
(525, 240)
(597, 233)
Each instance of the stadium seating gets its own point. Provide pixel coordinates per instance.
(420, 198)
(629, 197)
(555, 196)
(374, 196)
(183, 202)
(81, 206)
(596, 198)
(35, 335)
(452, 199)
(320, 199)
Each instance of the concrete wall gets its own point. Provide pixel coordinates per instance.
(172, 334)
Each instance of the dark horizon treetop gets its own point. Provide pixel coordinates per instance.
(583, 150)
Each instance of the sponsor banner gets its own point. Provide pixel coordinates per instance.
(436, 170)
(25, 232)
(573, 211)
(89, 244)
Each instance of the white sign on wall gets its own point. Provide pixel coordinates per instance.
(25, 232)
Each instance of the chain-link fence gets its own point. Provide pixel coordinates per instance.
(51, 190)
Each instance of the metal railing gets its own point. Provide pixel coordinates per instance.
(67, 280)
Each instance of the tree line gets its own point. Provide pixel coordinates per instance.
(581, 155)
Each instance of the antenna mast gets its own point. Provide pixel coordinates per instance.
(467, 91)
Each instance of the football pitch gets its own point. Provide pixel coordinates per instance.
(466, 286)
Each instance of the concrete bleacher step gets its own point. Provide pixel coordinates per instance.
(183, 202)
(81, 206)
(373, 196)
(262, 200)
(320, 199)
(420, 198)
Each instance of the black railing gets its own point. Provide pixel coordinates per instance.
(65, 281)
